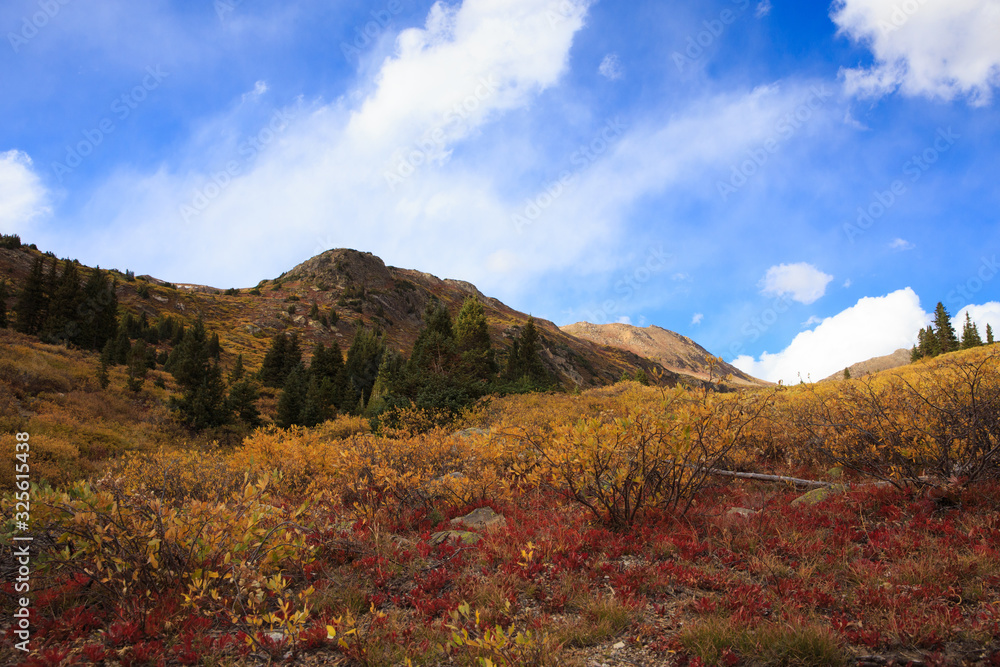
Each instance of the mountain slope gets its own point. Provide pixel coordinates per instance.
(900, 357)
(671, 350)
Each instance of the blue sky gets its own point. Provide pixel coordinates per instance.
(793, 185)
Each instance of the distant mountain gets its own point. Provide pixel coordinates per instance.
(671, 350)
(898, 358)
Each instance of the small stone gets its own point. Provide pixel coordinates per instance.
(484, 517)
(619, 646)
(817, 496)
(463, 536)
(740, 513)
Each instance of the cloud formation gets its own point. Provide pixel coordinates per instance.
(943, 49)
(611, 67)
(23, 197)
(802, 282)
(873, 327)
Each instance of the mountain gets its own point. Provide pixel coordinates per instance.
(350, 289)
(670, 350)
(900, 357)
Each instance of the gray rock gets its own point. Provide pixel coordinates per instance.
(463, 537)
(480, 519)
(817, 496)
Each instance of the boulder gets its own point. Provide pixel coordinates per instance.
(819, 495)
(480, 519)
(462, 536)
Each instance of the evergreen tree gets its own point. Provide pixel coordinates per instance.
(214, 347)
(989, 335)
(242, 402)
(472, 336)
(31, 305)
(293, 354)
(314, 405)
(237, 373)
(970, 334)
(136, 373)
(434, 351)
(272, 371)
(122, 347)
(203, 401)
(847, 373)
(3, 304)
(361, 367)
(314, 312)
(107, 358)
(524, 363)
(61, 325)
(98, 314)
(947, 339)
(293, 398)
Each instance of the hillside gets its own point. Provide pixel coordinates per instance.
(900, 357)
(671, 350)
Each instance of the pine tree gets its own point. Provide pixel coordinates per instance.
(472, 336)
(31, 305)
(136, 373)
(3, 304)
(989, 335)
(242, 401)
(107, 358)
(61, 325)
(293, 397)
(272, 370)
(122, 347)
(434, 351)
(237, 373)
(970, 334)
(361, 367)
(98, 314)
(314, 312)
(947, 339)
(214, 347)
(524, 362)
(293, 354)
(203, 401)
(314, 406)
(847, 373)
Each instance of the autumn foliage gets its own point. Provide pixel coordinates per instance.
(337, 541)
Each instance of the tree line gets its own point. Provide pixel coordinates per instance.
(452, 364)
(940, 336)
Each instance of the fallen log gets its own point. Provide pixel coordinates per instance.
(769, 478)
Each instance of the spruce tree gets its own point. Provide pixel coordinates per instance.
(214, 347)
(31, 304)
(434, 351)
(361, 367)
(238, 372)
(524, 363)
(989, 335)
(61, 325)
(98, 314)
(242, 401)
(122, 347)
(272, 370)
(472, 336)
(314, 312)
(947, 339)
(293, 397)
(107, 359)
(202, 403)
(136, 373)
(293, 354)
(970, 334)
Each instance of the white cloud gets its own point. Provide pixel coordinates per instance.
(901, 245)
(987, 313)
(624, 319)
(23, 198)
(611, 67)
(941, 49)
(873, 327)
(698, 318)
(763, 9)
(847, 283)
(811, 321)
(803, 282)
